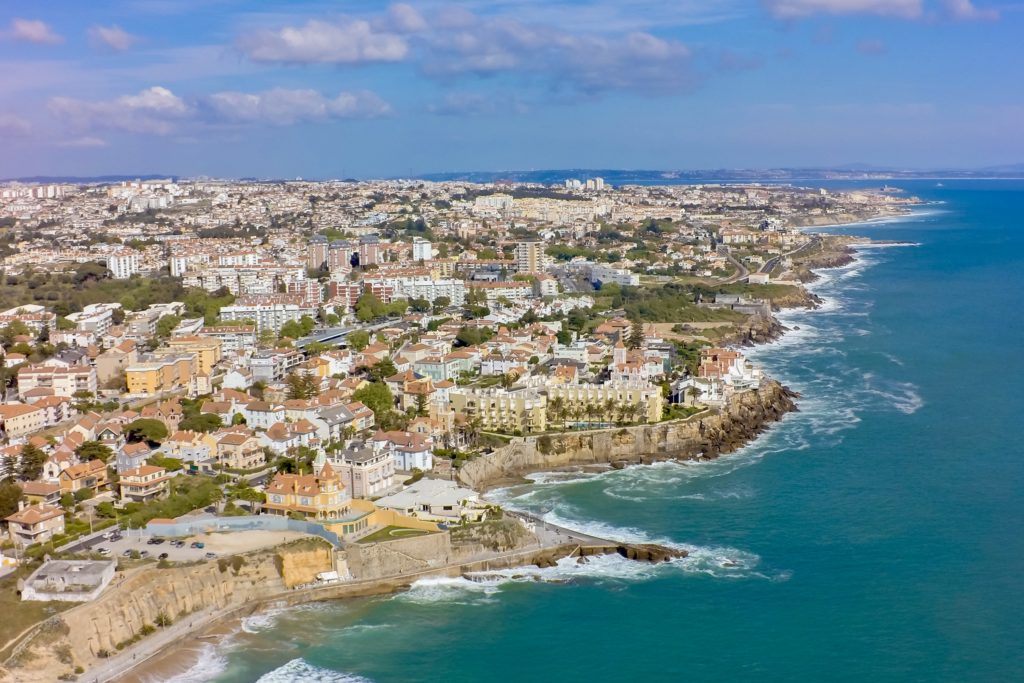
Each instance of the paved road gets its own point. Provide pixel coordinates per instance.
(770, 264)
(741, 270)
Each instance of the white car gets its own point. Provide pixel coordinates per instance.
(103, 551)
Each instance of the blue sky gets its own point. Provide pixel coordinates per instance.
(368, 89)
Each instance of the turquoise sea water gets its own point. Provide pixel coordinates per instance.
(876, 535)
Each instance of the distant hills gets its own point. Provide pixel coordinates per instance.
(857, 171)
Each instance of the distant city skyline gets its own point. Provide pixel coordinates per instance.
(369, 89)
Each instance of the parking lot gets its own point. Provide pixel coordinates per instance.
(214, 545)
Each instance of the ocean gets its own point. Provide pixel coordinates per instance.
(875, 535)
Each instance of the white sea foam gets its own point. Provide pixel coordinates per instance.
(262, 620)
(210, 663)
(299, 669)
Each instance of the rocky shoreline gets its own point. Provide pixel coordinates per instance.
(700, 437)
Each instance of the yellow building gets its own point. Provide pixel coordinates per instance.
(154, 374)
(522, 410)
(315, 496)
(624, 401)
(207, 350)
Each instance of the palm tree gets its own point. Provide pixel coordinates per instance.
(609, 410)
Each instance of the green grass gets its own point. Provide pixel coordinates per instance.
(19, 615)
(391, 533)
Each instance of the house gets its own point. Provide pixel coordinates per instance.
(239, 451)
(321, 495)
(409, 450)
(131, 456)
(44, 492)
(263, 415)
(365, 472)
(189, 446)
(435, 499)
(35, 524)
(143, 483)
(86, 475)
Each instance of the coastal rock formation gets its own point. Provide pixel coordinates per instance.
(705, 435)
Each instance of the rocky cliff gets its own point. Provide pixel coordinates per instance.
(706, 435)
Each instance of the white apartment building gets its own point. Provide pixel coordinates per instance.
(422, 287)
(63, 381)
(123, 265)
(422, 250)
(267, 316)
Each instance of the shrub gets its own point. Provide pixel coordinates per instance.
(147, 629)
(162, 620)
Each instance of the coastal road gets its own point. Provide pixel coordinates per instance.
(741, 270)
(770, 264)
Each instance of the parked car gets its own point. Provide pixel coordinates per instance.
(103, 551)
(126, 553)
(210, 556)
(163, 556)
(198, 544)
(144, 553)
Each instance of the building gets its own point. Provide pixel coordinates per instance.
(318, 496)
(143, 483)
(123, 265)
(86, 475)
(63, 381)
(112, 363)
(35, 524)
(269, 312)
(365, 472)
(422, 250)
(530, 256)
(521, 410)
(206, 349)
(233, 338)
(18, 420)
(621, 401)
(435, 499)
(69, 580)
(240, 451)
(153, 374)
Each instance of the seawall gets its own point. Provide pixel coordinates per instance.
(704, 435)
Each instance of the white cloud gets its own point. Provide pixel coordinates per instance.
(155, 111)
(965, 10)
(87, 141)
(283, 107)
(346, 42)
(12, 126)
(406, 18)
(113, 37)
(452, 42)
(158, 111)
(33, 31)
(795, 9)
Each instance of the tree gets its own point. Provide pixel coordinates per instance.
(238, 419)
(441, 303)
(419, 305)
(358, 340)
(204, 422)
(94, 450)
(636, 335)
(421, 405)
(166, 325)
(292, 329)
(302, 386)
(32, 461)
(10, 496)
(385, 368)
(377, 397)
(151, 431)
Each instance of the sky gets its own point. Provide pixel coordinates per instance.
(336, 89)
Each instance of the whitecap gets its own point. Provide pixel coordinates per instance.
(210, 663)
(300, 670)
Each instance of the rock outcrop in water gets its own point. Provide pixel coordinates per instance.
(705, 435)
